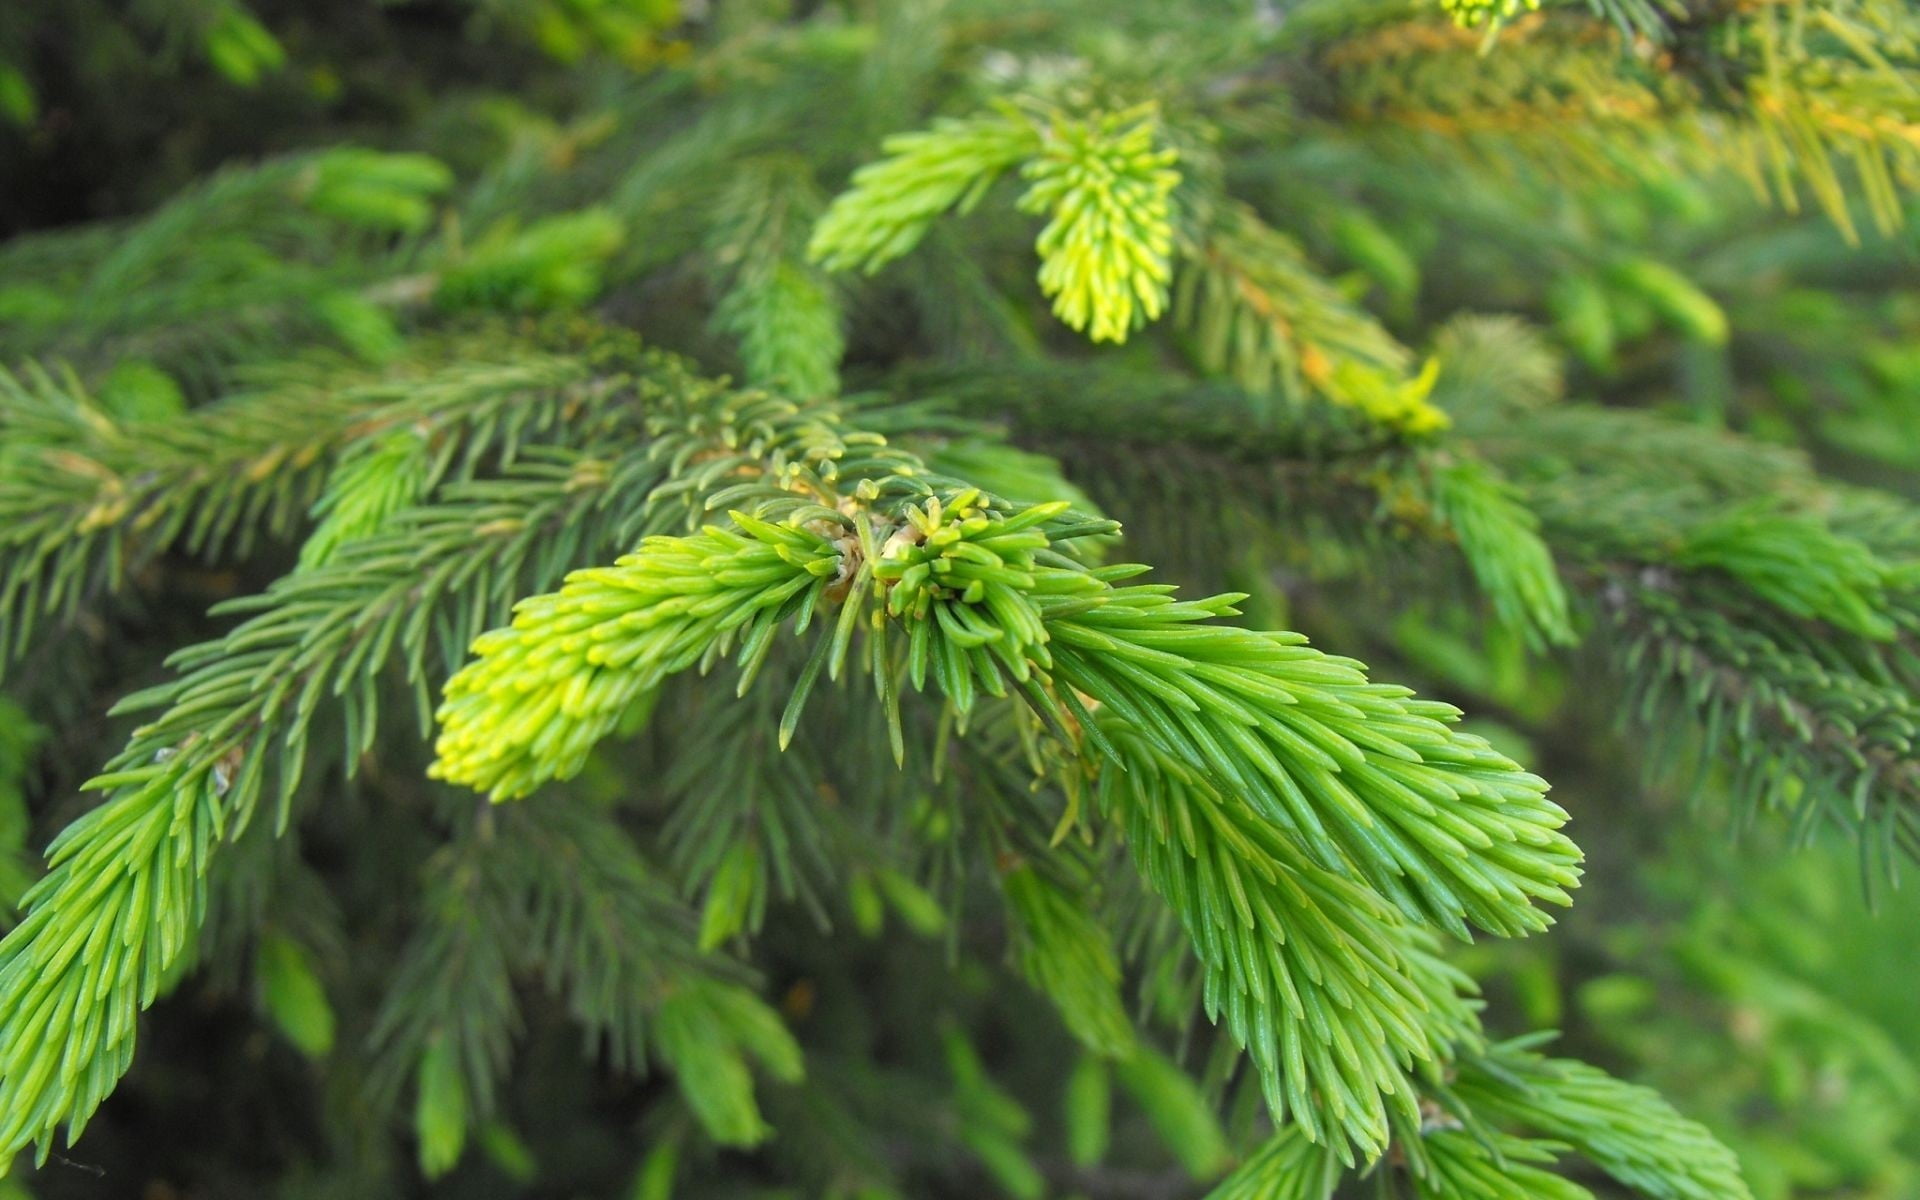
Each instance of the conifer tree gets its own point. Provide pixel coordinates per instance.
(911, 598)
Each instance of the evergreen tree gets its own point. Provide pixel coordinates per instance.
(633, 598)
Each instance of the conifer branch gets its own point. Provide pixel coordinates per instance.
(1461, 1142)
(1499, 536)
(1368, 796)
(893, 201)
(1628, 1131)
(123, 895)
(782, 310)
(1795, 97)
(1735, 610)
(1373, 782)
(1258, 314)
(365, 490)
(279, 248)
(743, 824)
(234, 727)
(1675, 539)
(709, 1033)
(801, 600)
(1066, 953)
(451, 1013)
(1287, 1166)
(605, 935)
(233, 732)
(1328, 988)
(544, 692)
(1498, 1166)
(88, 498)
(1820, 736)
(1180, 448)
(1104, 182)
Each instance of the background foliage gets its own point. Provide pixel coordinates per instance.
(1559, 363)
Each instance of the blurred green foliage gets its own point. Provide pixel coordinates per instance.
(342, 296)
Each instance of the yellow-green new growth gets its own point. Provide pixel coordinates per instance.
(1105, 254)
(887, 210)
(1474, 13)
(543, 690)
(965, 578)
(1104, 183)
(1388, 400)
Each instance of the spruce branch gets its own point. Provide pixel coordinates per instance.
(678, 600)
(451, 1013)
(1259, 315)
(1801, 99)
(88, 498)
(1463, 1139)
(1104, 181)
(1796, 563)
(1749, 626)
(1178, 1110)
(365, 490)
(1076, 403)
(282, 247)
(1065, 953)
(1329, 989)
(123, 895)
(1376, 783)
(1801, 730)
(1560, 88)
(234, 725)
(85, 498)
(542, 693)
(293, 995)
(743, 824)
(560, 891)
(1829, 91)
(1629, 1131)
(1301, 834)
(1499, 536)
(1494, 1165)
(709, 1032)
(605, 932)
(554, 263)
(1676, 539)
(782, 310)
(1368, 793)
(991, 1124)
(1287, 1166)
(892, 202)
(233, 732)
